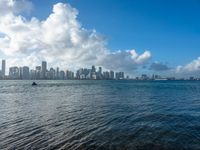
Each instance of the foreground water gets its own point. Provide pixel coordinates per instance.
(100, 115)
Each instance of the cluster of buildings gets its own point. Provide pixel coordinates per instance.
(93, 73)
(145, 77)
(42, 73)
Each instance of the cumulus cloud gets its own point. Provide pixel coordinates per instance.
(159, 66)
(59, 39)
(125, 60)
(14, 6)
(192, 67)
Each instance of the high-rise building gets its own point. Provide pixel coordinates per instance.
(20, 72)
(57, 73)
(14, 73)
(38, 72)
(144, 77)
(3, 71)
(99, 73)
(93, 73)
(119, 75)
(80, 74)
(44, 69)
(100, 70)
(52, 73)
(106, 75)
(25, 73)
(111, 75)
(69, 74)
(32, 74)
(62, 75)
(93, 69)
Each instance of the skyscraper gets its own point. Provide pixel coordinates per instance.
(14, 72)
(52, 73)
(57, 73)
(44, 69)
(99, 73)
(62, 75)
(111, 75)
(93, 69)
(119, 75)
(3, 68)
(33, 74)
(20, 72)
(25, 73)
(93, 73)
(38, 72)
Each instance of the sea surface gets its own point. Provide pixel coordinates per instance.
(100, 115)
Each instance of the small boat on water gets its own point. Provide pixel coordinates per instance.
(33, 84)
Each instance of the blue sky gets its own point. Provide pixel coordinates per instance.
(141, 36)
(169, 29)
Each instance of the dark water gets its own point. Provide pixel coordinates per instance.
(100, 115)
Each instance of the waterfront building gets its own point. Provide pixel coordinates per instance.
(62, 75)
(119, 75)
(52, 74)
(106, 75)
(99, 74)
(32, 74)
(84, 73)
(57, 73)
(93, 69)
(94, 77)
(44, 69)
(78, 74)
(14, 72)
(3, 68)
(38, 72)
(69, 74)
(20, 72)
(100, 70)
(145, 77)
(25, 73)
(93, 73)
(111, 75)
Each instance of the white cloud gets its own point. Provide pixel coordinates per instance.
(192, 67)
(125, 60)
(14, 6)
(60, 39)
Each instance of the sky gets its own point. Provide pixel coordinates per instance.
(134, 36)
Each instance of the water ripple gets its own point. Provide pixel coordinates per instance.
(100, 115)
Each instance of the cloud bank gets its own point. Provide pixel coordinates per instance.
(59, 39)
(191, 68)
(158, 66)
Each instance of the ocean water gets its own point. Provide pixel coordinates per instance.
(98, 115)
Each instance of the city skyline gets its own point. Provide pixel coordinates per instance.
(43, 72)
(135, 37)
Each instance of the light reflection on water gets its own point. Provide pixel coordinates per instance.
(100, 115)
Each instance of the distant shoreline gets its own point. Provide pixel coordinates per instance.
(95, 80)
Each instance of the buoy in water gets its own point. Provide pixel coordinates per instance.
(34, 83)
